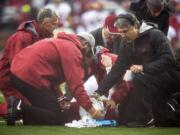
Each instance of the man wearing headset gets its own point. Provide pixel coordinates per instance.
(148, 54)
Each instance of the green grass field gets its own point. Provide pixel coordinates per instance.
(1, 98)
(60, 130)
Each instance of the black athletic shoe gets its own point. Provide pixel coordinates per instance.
(14, 110)
(149, 124)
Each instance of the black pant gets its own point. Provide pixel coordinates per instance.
(44, 110)
(147, 99)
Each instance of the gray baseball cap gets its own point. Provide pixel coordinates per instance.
(88, 37)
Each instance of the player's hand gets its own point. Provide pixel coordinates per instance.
(110, 104)
(136, 68)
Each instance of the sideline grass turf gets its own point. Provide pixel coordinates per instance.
(1, 98)
(60, 130)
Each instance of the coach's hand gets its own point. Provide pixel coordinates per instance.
(136, 68)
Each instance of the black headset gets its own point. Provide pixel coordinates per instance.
(129, 17)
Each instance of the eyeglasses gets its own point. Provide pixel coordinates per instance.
(123, 32)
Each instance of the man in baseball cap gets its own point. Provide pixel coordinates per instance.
(108, 36)
(53, 61)
(109, 24)
(89, 38)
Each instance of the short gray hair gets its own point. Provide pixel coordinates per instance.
(45, 13)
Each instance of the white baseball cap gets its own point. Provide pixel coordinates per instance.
(88, 37)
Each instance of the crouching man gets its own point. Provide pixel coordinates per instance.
(147, 53)
(40, 68)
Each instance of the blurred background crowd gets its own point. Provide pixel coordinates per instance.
(75, 15)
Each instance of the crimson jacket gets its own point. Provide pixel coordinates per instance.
(96, 67)
(50, 62)
(26, 34)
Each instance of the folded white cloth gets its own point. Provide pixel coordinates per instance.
(89, 122)
(84, 122)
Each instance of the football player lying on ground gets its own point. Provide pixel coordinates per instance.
(99, 68)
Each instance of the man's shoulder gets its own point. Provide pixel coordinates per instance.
(137, 6)
(97, 32)
(30, 27)
(64, 45)
(152, 34)
(23, 25)
(20, 36)
(155, 32)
